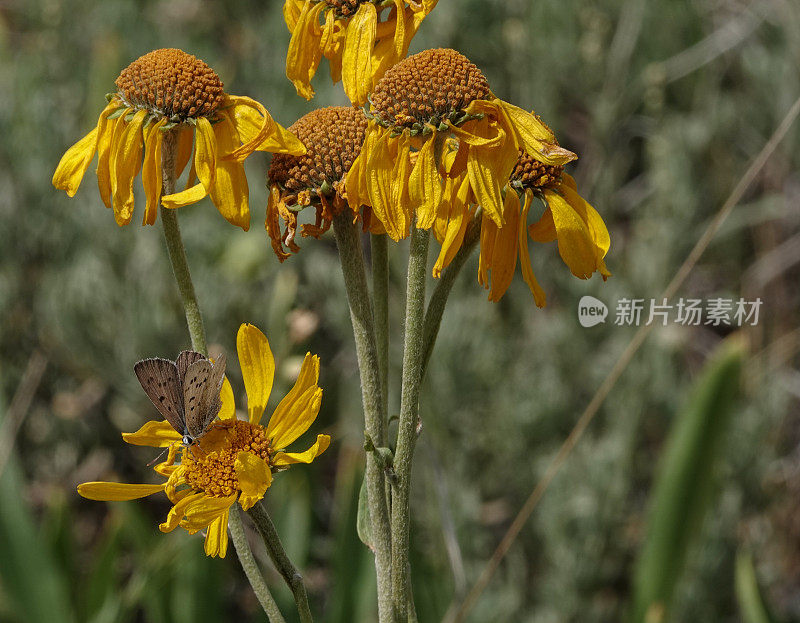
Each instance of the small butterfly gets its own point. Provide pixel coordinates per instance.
(185, 391)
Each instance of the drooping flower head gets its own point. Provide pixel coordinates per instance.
(583, 239)
(333, 137)
(169, 97)
(439, 145)
(360, 38)
(235, 460)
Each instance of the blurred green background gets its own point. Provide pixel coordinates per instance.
(665, 102)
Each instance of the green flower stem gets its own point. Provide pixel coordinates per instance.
(380, 302)
(250, 567)
(355, 281)
(177, 252)
(180, 266)
(413, 355)
(433, 315)
(281, 561)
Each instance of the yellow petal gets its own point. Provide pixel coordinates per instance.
(534, 136)
(206, 510)
(230, 192)
(378, 182)
(282, 419)
(488, 235)
(425, 187)
(258, 369)
(305, 51)
(543, 230)
(152, 433)
(126, 160)
(176, 513)
(484, 183)
(254, 478)
(456, 226)
(257, 130)
(228, 409)
(524, 257)
(216, 543)
(287, 458)
(505, 249)
(73, 164)
(293, 417)
(590, 216)
(205, 153)
(151, 171)
(109, 133)
(575, 243)
(116, 491)
(569, 181)
(357, 56)
(399, 180)
(332, 43)
(184, 150)
(185, 197)
(291, 12)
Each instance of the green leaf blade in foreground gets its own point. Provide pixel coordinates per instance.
(748, 595)
(685, 483)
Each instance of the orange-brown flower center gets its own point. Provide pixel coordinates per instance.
(345, 8)
(333, 137)
(172, 84)
(214, 472)
(429, 87)
(530, 173)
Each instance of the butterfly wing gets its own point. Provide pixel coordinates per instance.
(185, 359)
(195, 395)
(213, 403)
(160, 381)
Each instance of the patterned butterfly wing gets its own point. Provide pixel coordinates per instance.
(185, 359)
(213, 401)
(160, 381)
(195, 396)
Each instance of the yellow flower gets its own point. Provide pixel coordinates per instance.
(433, 118)
(235, 459)
(333, 138)
(352, 35)
(583, 239)
(169, 95)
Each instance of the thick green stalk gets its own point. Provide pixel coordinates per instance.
(380, 301)
(435, 311)
(177, 252)
(355, 281)
(250, 567)
(281, 561)
(413, 357)
(180, 267)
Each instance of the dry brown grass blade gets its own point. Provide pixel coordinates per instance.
(20, 404)
(458, 612)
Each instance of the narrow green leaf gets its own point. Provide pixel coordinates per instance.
(751, 605)
(685, 483)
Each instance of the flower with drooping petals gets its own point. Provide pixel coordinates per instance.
(360, 38)
(233, 461)
(333, 137)
(170, 97)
